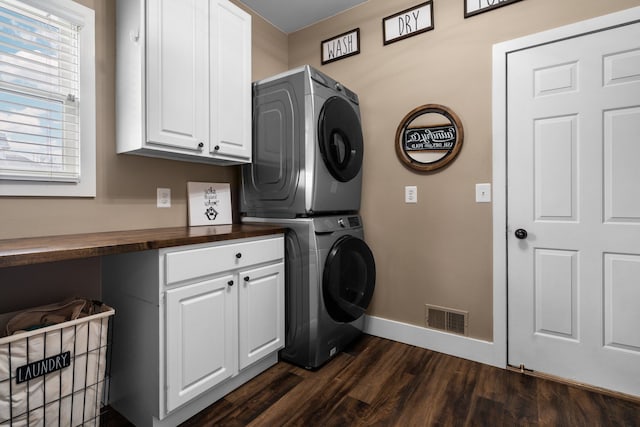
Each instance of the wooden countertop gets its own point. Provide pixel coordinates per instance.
(33, 250)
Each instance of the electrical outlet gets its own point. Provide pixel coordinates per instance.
(411, 194)
(164, 197)
(483, 193)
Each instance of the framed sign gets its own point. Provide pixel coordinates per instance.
(429, 137)
(409, 22)
(209, 203)
(474, 7)
(341, 46)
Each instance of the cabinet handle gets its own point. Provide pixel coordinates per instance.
(216, 148)
(247, 278)
(230, 283)
(200, 145)
(238, 255)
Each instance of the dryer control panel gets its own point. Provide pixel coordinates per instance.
(329, 224)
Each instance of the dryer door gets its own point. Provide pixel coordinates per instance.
(349, 279)
(340, 139)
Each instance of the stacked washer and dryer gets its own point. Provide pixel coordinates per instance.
(307, 175)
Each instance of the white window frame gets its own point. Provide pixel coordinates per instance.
(86, 187)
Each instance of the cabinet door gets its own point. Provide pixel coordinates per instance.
(178, 74)
(230, 64)
(201, 334)
(261, 300)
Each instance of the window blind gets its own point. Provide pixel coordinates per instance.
(39, 95)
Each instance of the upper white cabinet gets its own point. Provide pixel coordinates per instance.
(183, 80)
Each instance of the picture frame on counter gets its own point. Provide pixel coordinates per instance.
(475, 7)
(209, 203)
(407, 23)
(341, 46)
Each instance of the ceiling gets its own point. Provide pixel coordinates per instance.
(292, 15)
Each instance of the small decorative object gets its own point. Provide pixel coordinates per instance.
(407, 23)
(429, 137)
(474, 7)
(340, 46)
(209, 203)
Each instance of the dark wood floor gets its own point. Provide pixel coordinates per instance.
(379, 382)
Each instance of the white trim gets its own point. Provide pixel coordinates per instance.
(499, 108)
(443, 342)
(87, 185)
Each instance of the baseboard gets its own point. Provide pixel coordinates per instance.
(455, 345)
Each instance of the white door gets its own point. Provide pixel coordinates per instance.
(201, 337)
(178, 74)
(261, 312)
(573, 184)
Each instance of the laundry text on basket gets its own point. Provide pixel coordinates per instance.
(43, 367)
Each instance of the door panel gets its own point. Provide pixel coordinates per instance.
(231, 80)
(177, 82)
(573, 126)
(201, 328)
(621, 169)
(261, 312)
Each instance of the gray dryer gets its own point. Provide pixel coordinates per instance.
(307, 147)
(329, 282)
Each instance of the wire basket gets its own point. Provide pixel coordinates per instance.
(56, 375)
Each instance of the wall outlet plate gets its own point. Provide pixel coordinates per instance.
(164, 198)
(411, 194)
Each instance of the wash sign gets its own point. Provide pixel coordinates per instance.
(341, 46)
(407, 23)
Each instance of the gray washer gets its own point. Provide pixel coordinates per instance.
(330, 279)
(307, 147)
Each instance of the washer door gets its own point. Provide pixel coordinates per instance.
(340, 139)
(349, 279)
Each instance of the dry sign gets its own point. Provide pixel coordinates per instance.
(340, 46)
(407, 23)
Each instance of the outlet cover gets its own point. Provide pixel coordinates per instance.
(164, 198)
(411, 194)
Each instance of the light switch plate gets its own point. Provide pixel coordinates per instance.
(164, 198)
(411, 194)
(483, 193)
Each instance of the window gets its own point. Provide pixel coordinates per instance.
(47, 98)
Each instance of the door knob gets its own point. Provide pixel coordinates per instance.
(521, 233)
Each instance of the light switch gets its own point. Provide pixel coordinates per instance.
(411, 194)
(483, 193)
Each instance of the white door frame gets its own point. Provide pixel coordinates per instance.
(499, 122)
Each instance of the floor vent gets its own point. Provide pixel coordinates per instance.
(447, 319)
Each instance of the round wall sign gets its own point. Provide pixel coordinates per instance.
(429, 137)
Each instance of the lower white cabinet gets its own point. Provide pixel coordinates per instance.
(201, 338)
(194, 322)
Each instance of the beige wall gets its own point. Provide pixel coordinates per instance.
(438, 251)
(126, 184)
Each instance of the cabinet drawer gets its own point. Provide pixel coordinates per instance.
(189, 263)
